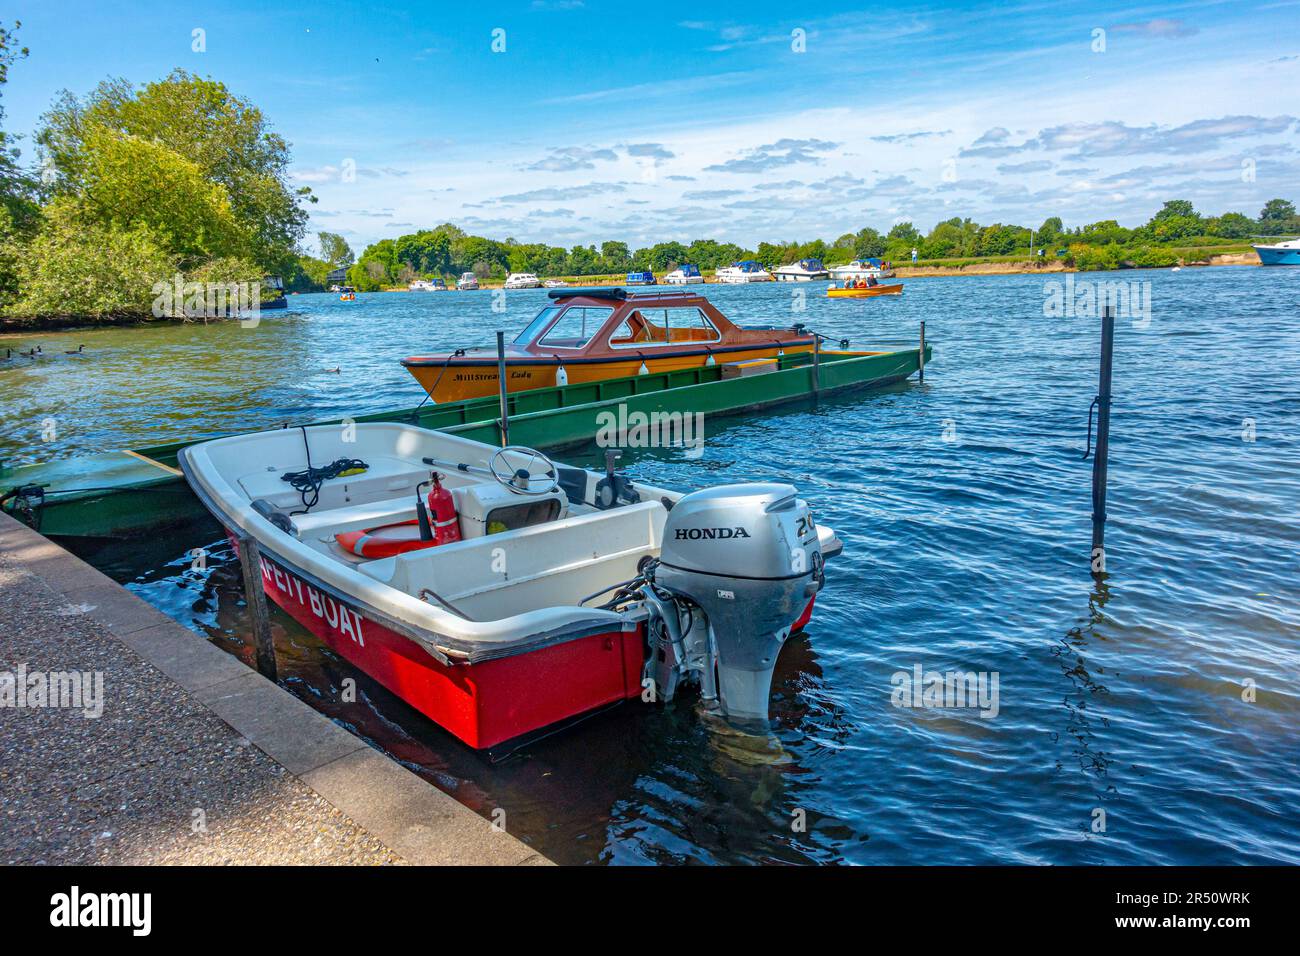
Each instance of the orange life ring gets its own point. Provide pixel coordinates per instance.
(385, 541)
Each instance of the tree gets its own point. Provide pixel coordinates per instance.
(130, 183)
(1175, 208)
(226, 138)
(615, 256)
(1277, 216)
(16, 188)
(335, 250)
(1231, 225)
(906, 232)
(18, 209)
(89, 269)
(868, 244)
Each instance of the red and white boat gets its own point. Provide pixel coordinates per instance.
(500, 593)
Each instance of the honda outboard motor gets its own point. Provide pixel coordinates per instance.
(748, 557)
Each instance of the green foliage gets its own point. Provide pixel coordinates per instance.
(224, 139)
(868, 243)
(129, 182)
(334, 250)
(18, 209)
(86, 269)
(615, 255)
(1176, 209)
(1278, 218)
(306, 274)
(1231, 225)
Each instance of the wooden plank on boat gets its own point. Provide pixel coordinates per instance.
(746, 369)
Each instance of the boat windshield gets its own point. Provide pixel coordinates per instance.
(576, 327)
(535, 327)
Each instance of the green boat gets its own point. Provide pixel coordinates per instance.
(123, 493)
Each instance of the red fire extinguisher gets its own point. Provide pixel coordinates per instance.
(442, 513)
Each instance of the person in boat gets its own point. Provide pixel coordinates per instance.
(872, 282)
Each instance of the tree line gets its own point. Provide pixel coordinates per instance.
(447, 251)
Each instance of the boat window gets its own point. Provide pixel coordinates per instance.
(575, 327)
(536, 326)
(650, 328)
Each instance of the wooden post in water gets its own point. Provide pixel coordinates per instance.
(1100, 461)
(501, 383)
(250, 560)
(920, 357)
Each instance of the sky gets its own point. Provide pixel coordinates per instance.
(576, 121)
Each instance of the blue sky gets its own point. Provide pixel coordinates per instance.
(738, 122)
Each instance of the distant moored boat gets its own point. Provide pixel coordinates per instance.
(1283, 254)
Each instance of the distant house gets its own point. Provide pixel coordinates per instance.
(336, 277)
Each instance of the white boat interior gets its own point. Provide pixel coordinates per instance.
(542, 547)
(561, 548)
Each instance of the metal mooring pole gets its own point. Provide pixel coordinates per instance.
(1100, 462)
(920, 358)
(817, 364)
(250, 559)
(501, 382)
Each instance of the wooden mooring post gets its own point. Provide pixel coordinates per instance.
(1100, 459)
(250, 560)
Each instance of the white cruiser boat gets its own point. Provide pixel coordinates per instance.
(501, 593)
(427, 285)
(555, 284)
(805, 270)
(1282, 254)
(468, 281)
(742, 272)
(684, 275)
(523, 280)
(862, 269)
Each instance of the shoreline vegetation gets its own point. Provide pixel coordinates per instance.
(990, 266)
(181, 184)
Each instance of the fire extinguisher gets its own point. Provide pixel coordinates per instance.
(439, 522)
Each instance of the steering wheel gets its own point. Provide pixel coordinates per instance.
(520, 480)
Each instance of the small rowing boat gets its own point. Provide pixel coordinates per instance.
(499, 592)
(866, 292)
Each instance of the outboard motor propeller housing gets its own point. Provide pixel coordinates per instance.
(748, 556)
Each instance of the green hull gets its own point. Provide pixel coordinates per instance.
(117, 494)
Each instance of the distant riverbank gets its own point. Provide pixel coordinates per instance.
(15, 325)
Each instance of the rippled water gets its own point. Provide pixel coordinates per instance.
(964, 508)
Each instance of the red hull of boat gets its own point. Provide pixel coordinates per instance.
(483, 704)
(486, 703)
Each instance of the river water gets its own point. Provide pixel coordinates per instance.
(1152, 719)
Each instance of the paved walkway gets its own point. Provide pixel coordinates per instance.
(195, 758)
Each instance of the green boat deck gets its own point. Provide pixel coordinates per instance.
(122, 493)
